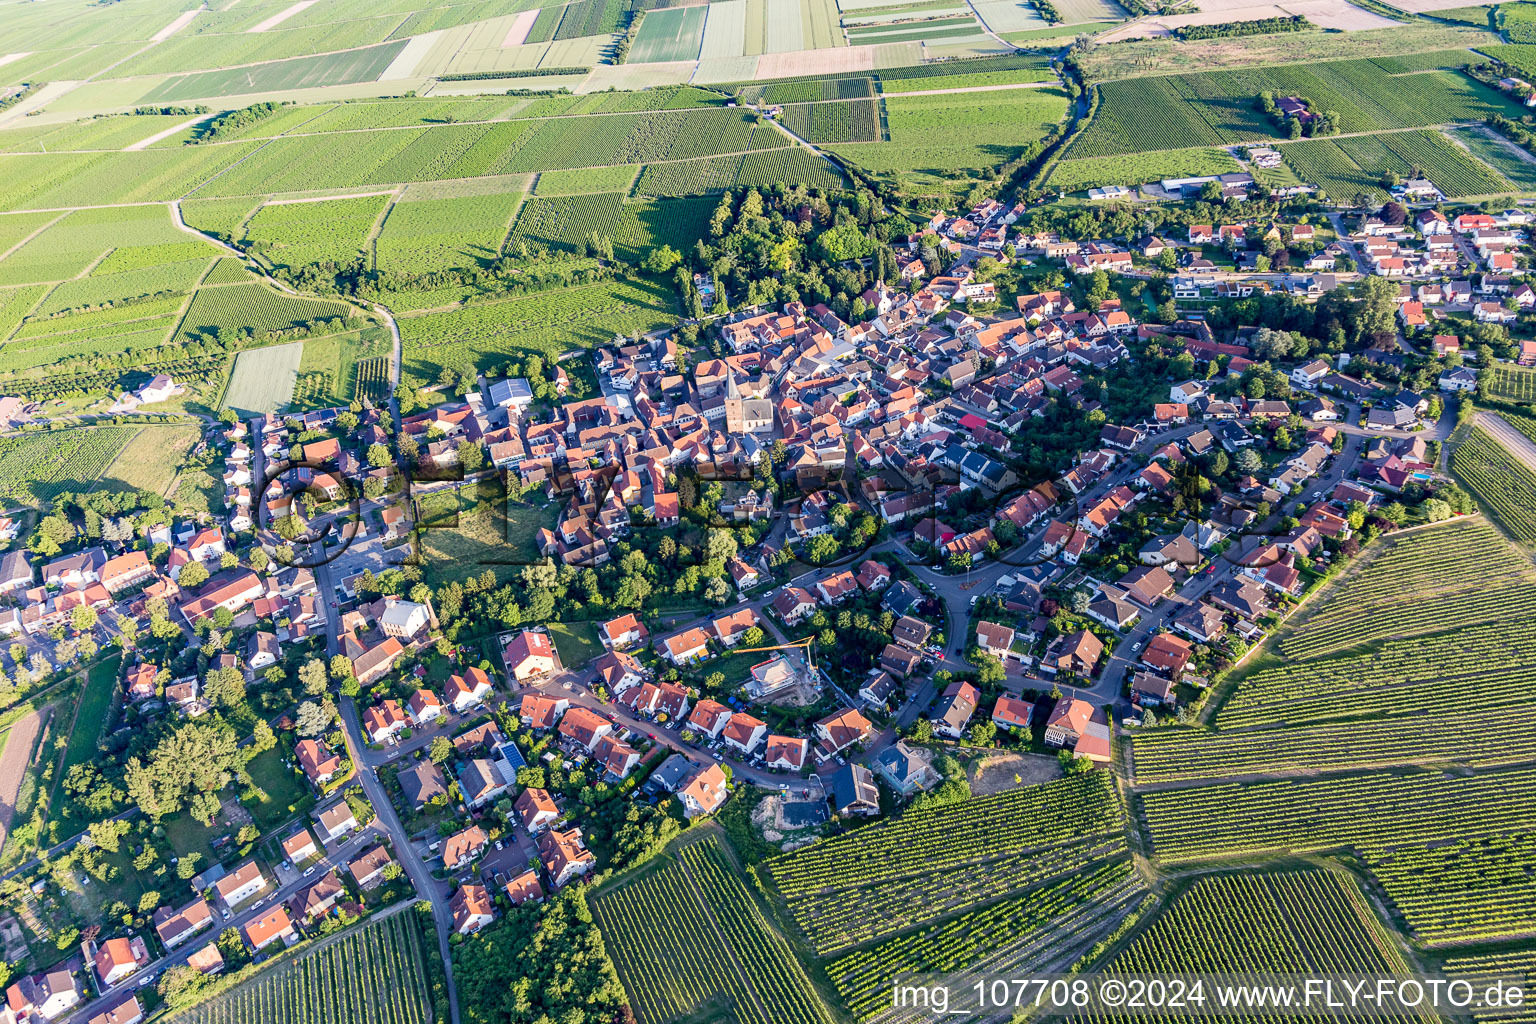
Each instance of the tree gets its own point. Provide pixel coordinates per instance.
(225, 687)
(1248, 461)
(442, 750)
(193, 575)
(341, 668)
(262, 737)
(312, 720)
(662, 259)
(198, 757)
(312, 676)
(983, 733)
(922, 731)
(83, 617)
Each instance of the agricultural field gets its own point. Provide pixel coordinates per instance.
(1297, 922)
(677, 970)
(264, 378)
(149, 462)
(1503, 485)
(933, 137)
(446, 152)
(1024, 76)
(1428, 581)
(1046, 929)
(586, 180)
(74, 242)
(715, 174)
(364, 65)
(926, 865)
(334, 368)
(1221, 107)
(673, 33)
(376, 973)
(1512, 383)
(1344, 168)
(1091, 172)
(429, 235)
(36, 467)
(569, 222)
(254, 307)
(835, 121)
(1513, 163)
(294, 235)
(484, 334)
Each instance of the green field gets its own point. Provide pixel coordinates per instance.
(934, 136)
(1346, 167)
(1514, 163)
(150, 461)
(256, 308)
(263, 379)
(336, 368)
(485, 334)
(294, 235)
(673, 33)
(577, 642)
(36, 467)
(424, 236)
(1502, 483)
(1220, 107)
(363, 65)
(1090, 172)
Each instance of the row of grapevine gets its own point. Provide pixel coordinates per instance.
(1502, 483)
(689, 936)
(1429, 581)
(372, 974)
(1011, 821)
(1308, 922)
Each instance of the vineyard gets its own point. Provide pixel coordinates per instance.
(568, 222)
(1220, 107)
(585, 180)
(1346, 167)
(1352, 811)
(454, 151)
(716, 174)
(1042, 930)
(1464, 737)
(673, 966)
(256, 308)
(1504, 486)
(373, 974)
(838, 121)
(371, 378)
(1512, 383)
(1496, 965)
(36, 467)
(1471, 669)
(424, 236)
(1305, 922)
(548, 323)
(297, 234)
(1431, 580)
(926, 864)
(1091, 172)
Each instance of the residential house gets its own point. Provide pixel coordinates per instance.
(472, 908)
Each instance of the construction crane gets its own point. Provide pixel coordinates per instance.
(808, 645)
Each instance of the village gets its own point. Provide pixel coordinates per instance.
(842, 564)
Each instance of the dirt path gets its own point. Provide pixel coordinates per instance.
(1516, 443)
(14, 762)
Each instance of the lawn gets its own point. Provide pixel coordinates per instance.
(577, 642)
(286, 793)
(95, 700)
